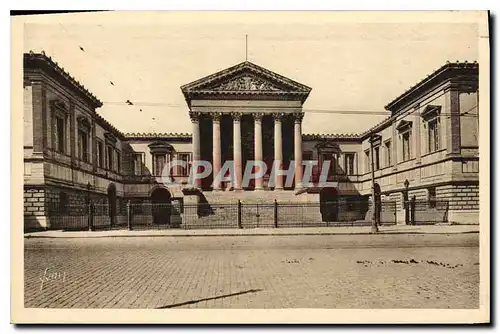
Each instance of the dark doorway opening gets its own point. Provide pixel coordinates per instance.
(329, 206)
(161, 202)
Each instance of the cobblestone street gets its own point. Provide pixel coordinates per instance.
(330, 271)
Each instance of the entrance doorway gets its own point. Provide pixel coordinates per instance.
(161, 206)
(329, 205)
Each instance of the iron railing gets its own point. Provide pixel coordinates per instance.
(149, 215)
(425, 212)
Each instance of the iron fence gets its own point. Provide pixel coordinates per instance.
(67, 216)
(148, 215)
(425, 212)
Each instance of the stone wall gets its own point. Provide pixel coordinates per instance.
(460, 196)
(35, 217)
(55, 207)
(463, 202)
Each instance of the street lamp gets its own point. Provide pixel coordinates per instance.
(406, 203)
(375, 139)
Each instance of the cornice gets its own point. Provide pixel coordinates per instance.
(340, 136)
(459, 74)
(157, 136)
(39, 61)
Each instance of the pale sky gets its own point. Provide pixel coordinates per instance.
(349, 66)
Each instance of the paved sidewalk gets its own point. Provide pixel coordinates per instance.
(340, 230)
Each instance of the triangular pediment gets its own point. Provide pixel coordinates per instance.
(245, 78)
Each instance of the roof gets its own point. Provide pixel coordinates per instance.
(108, 126)
(271, 83)
(377, 127)
(344, 136)
(41, 61)
(160, 136)
(458, 70)
(170, 135)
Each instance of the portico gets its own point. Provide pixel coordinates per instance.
(247, 113)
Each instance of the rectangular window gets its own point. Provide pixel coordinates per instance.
(432, 197)
(388, 158)
(433, 135)
(406, 138)
(184, 171)
(367, 161)
(159, 161)
(83, 146)
(118, 161)
(109, 158)
(100, 154)
(138, 163)
(60, 134)
(349, 163)
(377, 157)
(332, 170)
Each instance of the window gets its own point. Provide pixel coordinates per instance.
(184, 171)
(83, 145)
(432, 197)
(377, 157)
(404, 128)
(118, 161)
(332, 170)
(100, 155)
(109, 157)
(367, 161)
(388, 158)
(349, 163)
(433, 135)
(406, 138)
(159, 161)
(431, 115)
(138, 162)
(60, 134)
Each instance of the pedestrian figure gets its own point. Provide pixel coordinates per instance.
(412, 210)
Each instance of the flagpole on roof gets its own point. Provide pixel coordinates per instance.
(246, 47)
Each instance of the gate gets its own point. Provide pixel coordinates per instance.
(255, 215)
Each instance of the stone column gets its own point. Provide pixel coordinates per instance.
(216, 153)
(195, 120)
(297, 144)
(237, 150)
(278, 151)
(258, 146)
(452, 123)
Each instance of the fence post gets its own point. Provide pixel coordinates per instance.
(412, 210)
(395, 213)
(239, 214)
(129, 216)
(91, 216)
(275, 214)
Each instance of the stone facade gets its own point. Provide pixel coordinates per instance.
(427, 147)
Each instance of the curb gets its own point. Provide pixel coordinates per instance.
(238, 235)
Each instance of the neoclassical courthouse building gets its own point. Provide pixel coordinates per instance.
(427, 147)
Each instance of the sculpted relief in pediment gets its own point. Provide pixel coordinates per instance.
(246, 83)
